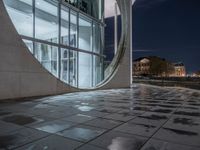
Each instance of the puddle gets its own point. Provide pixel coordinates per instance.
(107, 111)
(189, 107)
(127, 113)
(118, 102)
(152, 101)
(123, 143)
(154, 117)
(195, 94)
(194, 104)
(185, 121)
(145, 125)
(162, 110)
(4, 113)
(173, 103)
(181, 132)
(19, 119)
(167, 106)
(6, 141)
(149, 104)
(84, 108)
(194, 114)
(141, 108)
(191, 101)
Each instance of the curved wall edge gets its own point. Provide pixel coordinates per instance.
(21, 75)
(120, 69)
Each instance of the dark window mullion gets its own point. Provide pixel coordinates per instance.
(33, 9)
(59, 39)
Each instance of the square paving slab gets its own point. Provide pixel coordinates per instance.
(82, 133)
(115, 140)
(52, 143)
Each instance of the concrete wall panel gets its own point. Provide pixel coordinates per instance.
(21, 75)
(9, 85)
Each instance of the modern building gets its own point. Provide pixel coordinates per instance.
(65, 36)
(50, 47)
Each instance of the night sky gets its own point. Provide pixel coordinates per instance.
(165, 28)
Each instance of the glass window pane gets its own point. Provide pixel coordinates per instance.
(54, 60)
(97, 69)
(29, 45)
(73, 2)
(65, 65)
(85, 33)
(92, 7)
(73, 29)
(46, 20)
(85, 70)
(73, 68)
(65, 25)
(96, 38)
(21, 14)
(48, 57)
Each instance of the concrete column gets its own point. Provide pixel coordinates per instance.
(119, 72)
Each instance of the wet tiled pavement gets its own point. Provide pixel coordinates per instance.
(144, 117)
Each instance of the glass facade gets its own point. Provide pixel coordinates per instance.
(85, 69)
(93, 8)
(65, 40)
(46, 20)
(85, 33)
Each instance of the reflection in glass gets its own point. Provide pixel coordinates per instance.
(85, 33)
(65, 65)
(85, 70)
(29, 44)
(92, 7)
(78, 31)
(46, 20)
(73, 2)
(73, 68)
(98, 70)
(96, 38)
(21, 14)
(64, 25)
(48, 57)
(73, 29)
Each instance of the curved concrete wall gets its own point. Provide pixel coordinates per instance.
(21, 75)
(119, 72)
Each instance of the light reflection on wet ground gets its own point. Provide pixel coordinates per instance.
(144, 117)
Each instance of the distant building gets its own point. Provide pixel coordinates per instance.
(141, 66)
(159, 67)
(196, 74)
(179, 70)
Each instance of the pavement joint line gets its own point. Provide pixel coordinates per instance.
(170, 116)
(48, 135)
(103, 134)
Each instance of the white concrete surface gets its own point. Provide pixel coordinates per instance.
(21, 75)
